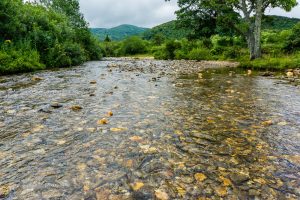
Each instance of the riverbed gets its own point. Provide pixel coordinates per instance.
(146, 129)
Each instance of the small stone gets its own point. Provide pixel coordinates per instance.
(91, 130)
(239, 177)
(282, 123)
(93, 82)
(129, 163)
(137, 185)
(200, 75)
(290, 74)
(226, 181)
(181, 191)
(102, 194)
(253, 192)
(11, 111)
(37, 128)
(221, 191)
(35, 78)
(4, 191)
(117, 129)
(161, 195)
(249, 72)
(56, 105)
(267, 123)
(61, 142)
(260, 181)
(102, 121)
(200, 177)
(76, 108)
(110, 114)
(136, 139)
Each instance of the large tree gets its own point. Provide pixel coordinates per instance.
(242, 16)
(70, 8)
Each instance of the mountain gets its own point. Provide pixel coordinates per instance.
(119, 32)
(170, 31)
(273, 22)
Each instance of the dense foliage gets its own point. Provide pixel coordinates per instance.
(176, 30)
(281, 48)
(43, 35)
(118, 33)
(243, 17)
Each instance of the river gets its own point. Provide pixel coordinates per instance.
(145, 129)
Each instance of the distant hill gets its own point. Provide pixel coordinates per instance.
(273, 22)
(119, 32)
(170, 31)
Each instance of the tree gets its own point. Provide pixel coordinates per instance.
(107, 39)
(70, 8)
(241, 16)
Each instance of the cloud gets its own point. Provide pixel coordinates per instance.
(295, 12)
(144, 13)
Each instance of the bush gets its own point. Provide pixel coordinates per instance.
(170, 48)
(199, 54)
(232, 52)
(223, 41)
(133, 45)
(21, 60)
(55, 36)
(292, 43)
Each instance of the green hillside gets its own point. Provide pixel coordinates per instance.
(273, 22)
(170, 31)
(119, 32)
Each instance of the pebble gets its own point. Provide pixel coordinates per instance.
(56, 105)
(239, 177)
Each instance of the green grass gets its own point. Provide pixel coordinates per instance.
(271, 63)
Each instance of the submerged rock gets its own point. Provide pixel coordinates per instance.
(56, 105)
(239, 177)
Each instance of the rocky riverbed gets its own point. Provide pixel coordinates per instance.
(146, 129)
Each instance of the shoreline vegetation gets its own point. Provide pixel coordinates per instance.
(54, 34)
(43, 35)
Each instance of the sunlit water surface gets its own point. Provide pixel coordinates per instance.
(170, 137)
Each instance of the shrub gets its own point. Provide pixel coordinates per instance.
(293, 41)
(15, 61)
(200, 54)
(57, 57)
(223, 41)
(232, 52)
(133, 45)
(171, 47)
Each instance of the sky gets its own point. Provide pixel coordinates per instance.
(143, 13)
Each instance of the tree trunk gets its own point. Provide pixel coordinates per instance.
(257, 29)
(251, 42)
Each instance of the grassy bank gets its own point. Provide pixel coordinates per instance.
(273, 64)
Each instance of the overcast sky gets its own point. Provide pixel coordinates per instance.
(144, 13)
